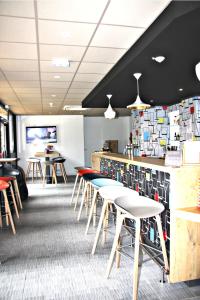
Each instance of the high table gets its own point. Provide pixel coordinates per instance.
(47, 156)
(178, 190)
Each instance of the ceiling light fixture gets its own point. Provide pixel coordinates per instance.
(56, 76)
(61, 62)
(53, 95)
(197, 69)
(74, 107)
(138, 104)
(109, 113)
(180, 90)
(51, 104)
(159, 59)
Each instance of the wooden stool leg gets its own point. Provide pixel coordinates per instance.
(162, 242)
(136, 260)
(17, 193)
(82, 201)
(74, 188)
(64, 172)
(91, 210)
(40, 170)
(8, 211)
(54, 174)
(33, 171)
(44, 175)
(105, 225)
(99, 226)
(118, 254)
(28, 170)
(13, 199)
(78, 192)
(119, 222)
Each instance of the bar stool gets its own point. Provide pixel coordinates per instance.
(9, 181)
(87, 178)
(109, 194)
(6, 171)
(136, 210)
(34, 166)
(76, 180)
(46, 172)
(3, 187)
(59, 162)
(82, 182)
(97, 183)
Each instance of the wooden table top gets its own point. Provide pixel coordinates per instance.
(7, 159)
(44, 154)
(189, 213)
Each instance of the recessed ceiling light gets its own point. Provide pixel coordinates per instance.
(56, 76)
(66, 34)
(6, 106)
(50, 104)
(180, 89)
(74, 107)
(53, 95)
(61, 62)
(159, 59)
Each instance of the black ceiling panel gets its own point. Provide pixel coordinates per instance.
(175, 35)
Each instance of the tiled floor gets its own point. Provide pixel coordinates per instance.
(49, 258)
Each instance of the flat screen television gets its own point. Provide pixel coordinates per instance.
(46, 134)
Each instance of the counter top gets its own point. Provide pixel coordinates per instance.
(189, 213)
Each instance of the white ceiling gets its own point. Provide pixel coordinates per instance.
(92, 34)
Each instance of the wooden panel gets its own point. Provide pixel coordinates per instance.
(95, 158)
(185, 250)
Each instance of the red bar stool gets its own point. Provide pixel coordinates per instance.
(76, 180)
(12, 179)
(3, 187)
(81, 183)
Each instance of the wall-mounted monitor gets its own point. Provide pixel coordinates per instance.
(46, 134)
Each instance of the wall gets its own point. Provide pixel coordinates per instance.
(99, 129)
(70, 138)
(151, 128)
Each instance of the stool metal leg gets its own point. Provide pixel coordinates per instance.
(162, 242)
(119, 222)
(94, 199)
(7, 207)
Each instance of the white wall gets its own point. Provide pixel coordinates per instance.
(70, 135)
(99, 129)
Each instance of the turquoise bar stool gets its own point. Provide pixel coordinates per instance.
(88, 190)
(96, 185)
(109, 194)
(140, 208)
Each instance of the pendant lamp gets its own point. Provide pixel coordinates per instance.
(109, 113)
(138, 104)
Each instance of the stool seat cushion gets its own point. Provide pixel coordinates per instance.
(8, 171)
(141, 207)
(33, 160)
(115, 191)
(58, 161)
(100, 182)
(3, 185)
(87, 171)
(91, 176)
(7, 178)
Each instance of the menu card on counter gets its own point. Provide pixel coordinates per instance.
(173, 158)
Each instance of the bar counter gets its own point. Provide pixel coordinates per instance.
(176, 188)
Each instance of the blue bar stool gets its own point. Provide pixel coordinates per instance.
(109, 194)
(137, 209)
(97, 183)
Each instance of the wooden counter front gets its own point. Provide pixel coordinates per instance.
(184, 193)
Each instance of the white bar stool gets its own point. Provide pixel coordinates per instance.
(109, 194)
(137, 209)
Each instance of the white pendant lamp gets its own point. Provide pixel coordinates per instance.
(138, 104)
(109, 113)
(197, 69)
